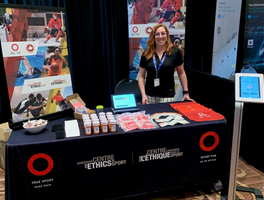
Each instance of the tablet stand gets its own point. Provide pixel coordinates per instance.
(235, 155)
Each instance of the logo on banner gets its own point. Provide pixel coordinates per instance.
(250, 43)
(14, 47)
(148, 30)
(220, 16)
(30, 48)
(35, 157)
(209, 133)
(135, 29)
(58, 82)
(36, 85)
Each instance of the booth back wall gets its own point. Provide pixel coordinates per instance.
(200, 19)
(98, 37)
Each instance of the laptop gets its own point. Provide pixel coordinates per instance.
(124, 103)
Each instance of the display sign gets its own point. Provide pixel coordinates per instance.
(249, 87)
(35, 55)
(145, 14)
(253, 44)
(227, 19)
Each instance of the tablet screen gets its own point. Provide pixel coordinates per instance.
(124, 101)
(249, 87)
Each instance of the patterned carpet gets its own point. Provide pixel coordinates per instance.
(247, 176)
(2, 184)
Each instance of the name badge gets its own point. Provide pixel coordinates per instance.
(156, 82)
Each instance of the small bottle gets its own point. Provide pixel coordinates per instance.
(102, 118)
(110, 118)
(94, 119)
(109, 113)
(87, 120)
(113, 126)
(85, 117)
(104, 126)
(87, 127)
(101, 114)
(93, 115)
(99, 109)
(96, 128)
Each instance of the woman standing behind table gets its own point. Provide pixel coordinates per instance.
(159, 60)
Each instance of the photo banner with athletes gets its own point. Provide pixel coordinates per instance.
(227, 19)
(253, 49)
(35, 54)
(145, 14)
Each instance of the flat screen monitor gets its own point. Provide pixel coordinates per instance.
(249, 87)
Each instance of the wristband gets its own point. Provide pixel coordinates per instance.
(185, 92)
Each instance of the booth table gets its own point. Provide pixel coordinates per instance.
(112, 165)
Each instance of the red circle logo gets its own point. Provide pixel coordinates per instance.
(14, 47)
(135, 29)
(44, 172)
(148, 30)
(209, 133)
(249, 86)
(30, 48)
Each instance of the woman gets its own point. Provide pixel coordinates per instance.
(159, 60)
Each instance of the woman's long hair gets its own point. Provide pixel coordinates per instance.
(150, 50)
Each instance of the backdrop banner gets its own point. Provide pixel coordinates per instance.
(227, 18)
(35, 54)
(253, 49)
(142, 16)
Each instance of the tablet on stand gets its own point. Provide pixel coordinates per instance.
(248, 88)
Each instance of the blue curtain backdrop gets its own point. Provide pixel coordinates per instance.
(98, 49)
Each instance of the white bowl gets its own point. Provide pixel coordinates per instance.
(35, 129)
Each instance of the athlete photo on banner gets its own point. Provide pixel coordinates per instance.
(145, 14)
(35, 54)
(253, 59)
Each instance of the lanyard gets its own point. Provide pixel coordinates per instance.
(161, 62)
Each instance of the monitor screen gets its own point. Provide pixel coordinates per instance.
(123, 101)
(249, 87)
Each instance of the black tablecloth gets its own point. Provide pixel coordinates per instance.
(110, 165)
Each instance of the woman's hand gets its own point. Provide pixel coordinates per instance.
(145, 99)
(187, 97)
